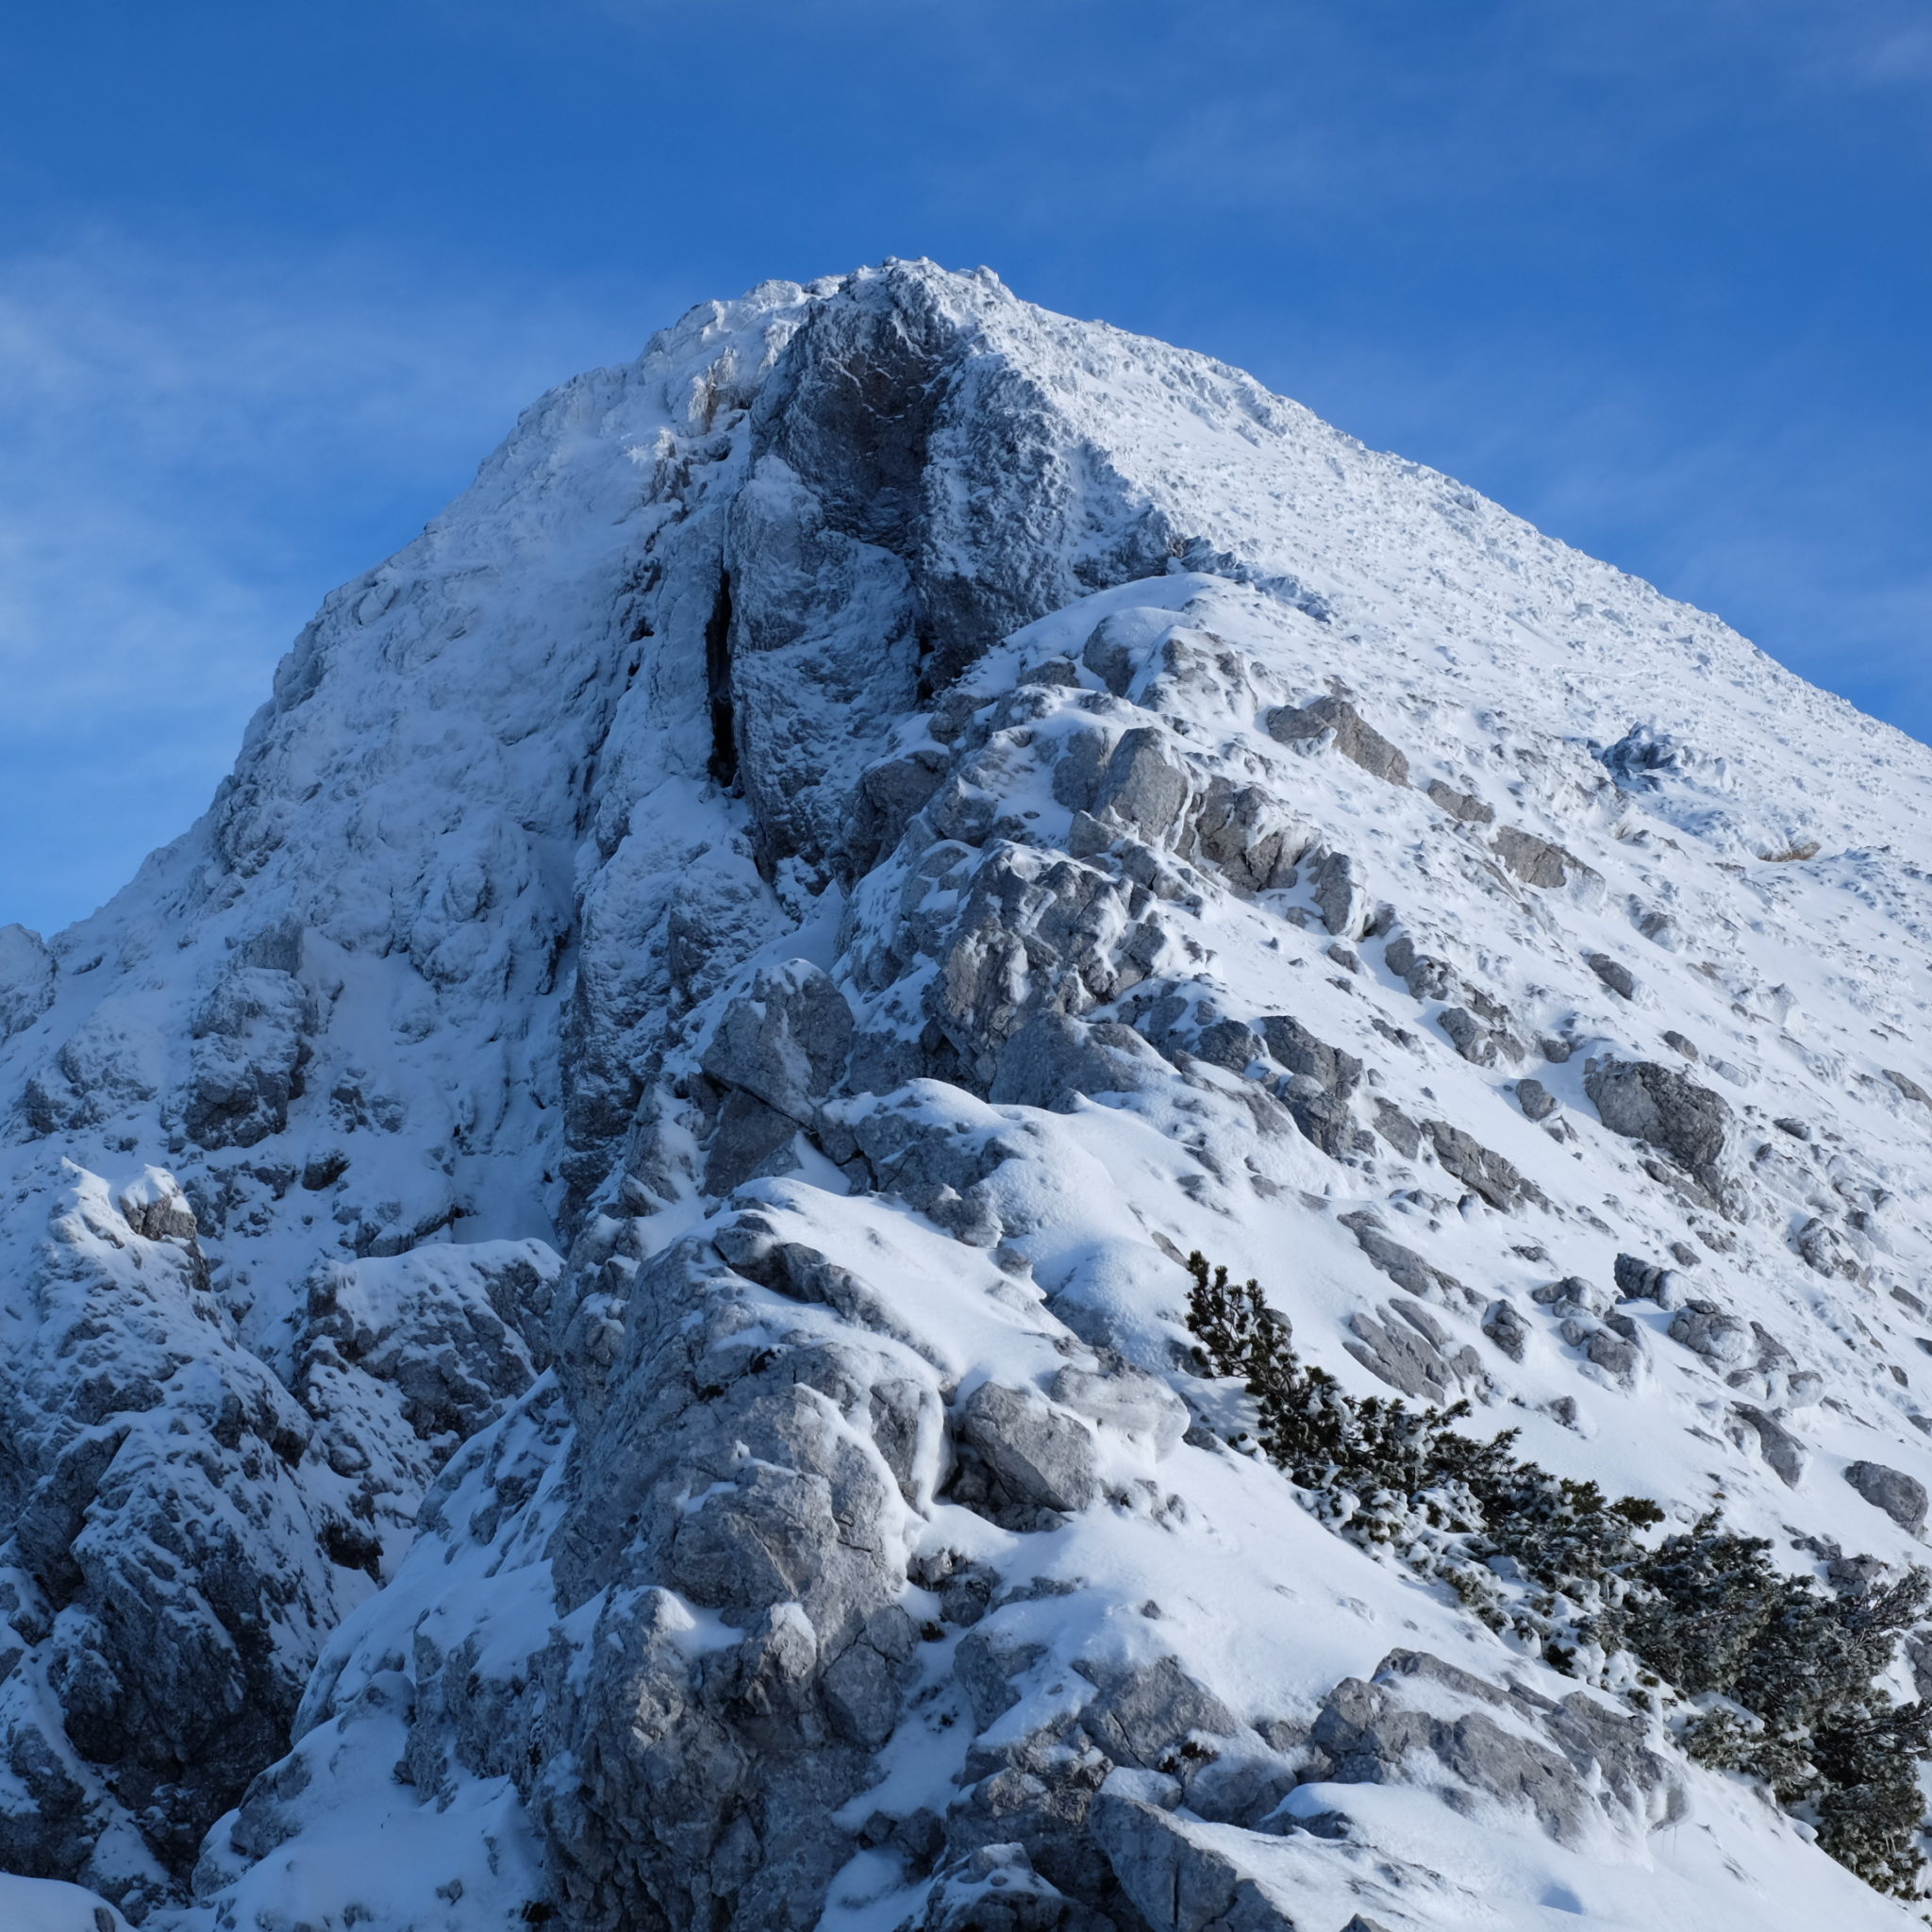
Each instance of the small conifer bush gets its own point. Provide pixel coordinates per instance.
(1781, 1674)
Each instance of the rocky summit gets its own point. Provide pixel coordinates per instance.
(598, 1326)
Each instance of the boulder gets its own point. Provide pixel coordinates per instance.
(1402, 1265)
(1506, 1329)
(1426, 977)
(1422, 1719)
(1413, 1352)
(785, 1041)
(1463, 805)
(1141, 785)
(1039, 1454)
(1495, 1179)
(1536, 862)
(1354, 739)
(1395, 1127)
(1782, 1450)
(1902, 1497)
(1705, 1329)
(1178, 1882)
(1536, 1100)
(1300, 1052)
(1643, 1101)
(1051, 1060)
(1613, 973)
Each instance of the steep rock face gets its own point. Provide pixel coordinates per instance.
(680, 1073)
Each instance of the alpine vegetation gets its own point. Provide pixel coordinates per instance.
(593, 1317)
(1786, 1676)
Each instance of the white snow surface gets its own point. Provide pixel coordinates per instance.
(338, 1139)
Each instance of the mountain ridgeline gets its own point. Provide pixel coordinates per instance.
(598, 1324)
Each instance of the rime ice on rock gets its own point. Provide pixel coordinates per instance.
(595, 1317)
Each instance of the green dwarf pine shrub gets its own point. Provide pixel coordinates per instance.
(1795, 1665)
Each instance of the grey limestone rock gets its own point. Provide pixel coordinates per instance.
(785, 1041)
(1402, 1265)
(1240, 832)
(1355, 737)
(1463, 805)
(1052, 1058)
(996, 1888)
(1506, 1329)
(1475, 1166)
(1573, 1295)
(760, 1479)
(1536, 862)
(1114, 648)
(1178, 1882)
(1422, 1719)
(1613, 973)
(1300, 1052)
(1142, 786)
(1639, 1280)
(1646, 1102)
(26, 979)
(1706, 1330)
(1901, 1496)
(1825, 1250)
(889, 795)
(1324, 1118)
(1395, 1127)
(1426, 977)
(250, 1047)
(440, 1333)
(1536, 1100)
(1620, 1355)
(1410, 1350)
(1341, 896)
(1038, 1457)
(1478, 1043)
(1141, 1714)
(749, 1138)
(1780, 1448)
(150, 1460)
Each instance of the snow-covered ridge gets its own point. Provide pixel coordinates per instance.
(596, 1310)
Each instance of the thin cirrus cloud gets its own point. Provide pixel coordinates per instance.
(189, 454)
(1640, 273)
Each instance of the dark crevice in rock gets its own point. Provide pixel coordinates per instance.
(724, 763)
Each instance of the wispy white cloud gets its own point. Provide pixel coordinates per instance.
(191, 453)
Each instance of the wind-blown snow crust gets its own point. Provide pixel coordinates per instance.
(595, 1319)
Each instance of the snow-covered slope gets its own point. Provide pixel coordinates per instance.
(595, 1319)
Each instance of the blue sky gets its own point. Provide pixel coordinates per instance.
(274, 278)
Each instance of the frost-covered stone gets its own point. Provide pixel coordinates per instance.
(1562, 1764)
(1901, 1496)
(1038, 1457)
(1355, 737)
(1536, 861)
(796, 905)
(1644, 1101)
(26, 979)
(785, 1041)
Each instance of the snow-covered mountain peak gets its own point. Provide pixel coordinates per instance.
(600, 1327)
